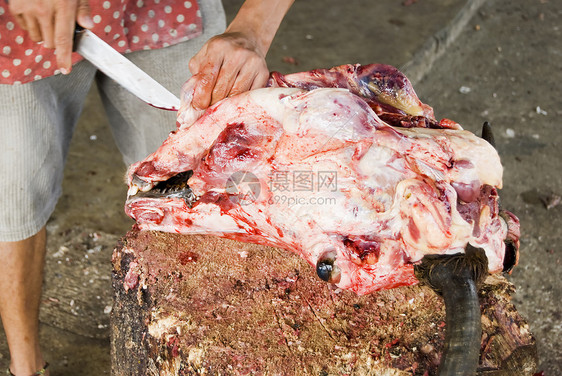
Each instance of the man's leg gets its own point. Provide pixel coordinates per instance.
(21, 278)
(36, 125)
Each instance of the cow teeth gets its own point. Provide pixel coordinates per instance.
(132, 191)
(140, 185)
(175, 187)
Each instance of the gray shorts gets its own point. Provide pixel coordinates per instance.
(37, 121)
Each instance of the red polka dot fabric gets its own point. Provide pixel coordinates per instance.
(127, 25)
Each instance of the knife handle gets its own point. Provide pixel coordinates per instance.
(78, 31)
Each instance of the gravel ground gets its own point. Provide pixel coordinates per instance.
(505, 68)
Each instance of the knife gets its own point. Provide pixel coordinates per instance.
(123, 71)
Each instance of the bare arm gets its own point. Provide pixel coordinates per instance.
(234, 62)
(53, 22)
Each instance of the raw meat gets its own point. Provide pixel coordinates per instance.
(309, 166)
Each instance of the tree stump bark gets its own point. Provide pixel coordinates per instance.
(190, 305)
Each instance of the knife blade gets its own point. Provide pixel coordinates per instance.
(123, 71)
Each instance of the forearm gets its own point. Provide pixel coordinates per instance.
(259, 21)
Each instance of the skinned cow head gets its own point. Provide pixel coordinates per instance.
(315, 170)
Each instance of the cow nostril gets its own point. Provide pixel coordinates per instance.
(327, 269)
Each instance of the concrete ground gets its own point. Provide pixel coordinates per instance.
(472, 60)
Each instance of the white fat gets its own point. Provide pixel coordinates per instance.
(466, 146)
(381, 169)
(485, 158)
(273, 100)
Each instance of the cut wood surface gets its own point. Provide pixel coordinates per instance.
(204, 305)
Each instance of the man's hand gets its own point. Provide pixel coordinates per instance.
(234, 62)
(227, 64)
(53, 23)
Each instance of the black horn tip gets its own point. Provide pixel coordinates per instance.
(487, 133)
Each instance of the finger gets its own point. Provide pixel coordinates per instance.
(46, 27)
(83, 15)
(20, 20)
(64, 32)
(261, 79)
(226, 79)
(193, 65)
(196, 62)
(33, 29)
(255, 78)
(205, 85)
(242, 84)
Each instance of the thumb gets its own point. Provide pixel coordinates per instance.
(83, 14)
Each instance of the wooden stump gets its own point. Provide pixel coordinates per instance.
(188, 305)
